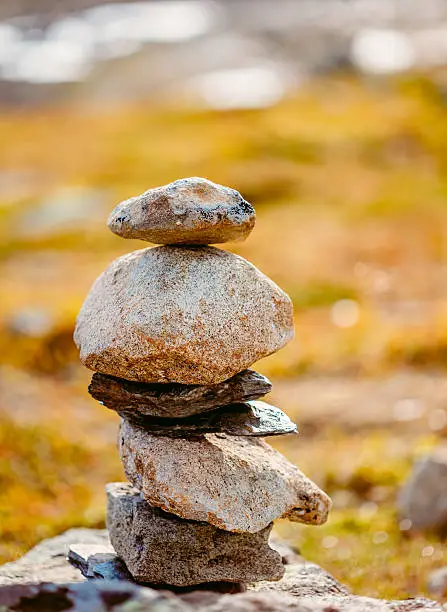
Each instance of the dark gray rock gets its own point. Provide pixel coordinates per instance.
(98, 561)
(173, 400)
(423, 499)
(188, 211)
(250, 419)
(305, 587)
(160, 548)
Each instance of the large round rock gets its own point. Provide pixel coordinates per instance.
(192, 315)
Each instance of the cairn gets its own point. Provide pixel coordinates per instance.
(170, 333)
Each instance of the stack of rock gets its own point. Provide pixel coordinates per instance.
(170, 332)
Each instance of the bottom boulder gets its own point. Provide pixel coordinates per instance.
(160, 548)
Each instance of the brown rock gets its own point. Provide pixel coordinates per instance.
(188, 211)
(160, 548)
(192, 315)
(173, 400)
(235, 483)
(249, 419)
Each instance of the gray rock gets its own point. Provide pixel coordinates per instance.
(160, 548)
(289, 554)
(437, 582)
(249, 419)
(304, 580)
(235, 483)
(304, 588)
(173, 400)
(423, 499)
(98, 561)
(188, 211)
(47, 562)
(191, 315)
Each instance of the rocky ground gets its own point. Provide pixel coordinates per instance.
(44, 579)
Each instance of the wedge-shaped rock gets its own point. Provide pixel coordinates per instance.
(191, 315)
(249, 419)
(173, 400)
(235, 483)
(161, 548)
(187, 211)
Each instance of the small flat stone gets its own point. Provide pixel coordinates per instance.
(190, 315)
(235, 483)
(160, 548)
(188, 211)
(173, 400)
(250, 419)
(98, 561)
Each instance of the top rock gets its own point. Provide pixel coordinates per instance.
(187, 211)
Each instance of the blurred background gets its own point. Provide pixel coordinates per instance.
(330, 116)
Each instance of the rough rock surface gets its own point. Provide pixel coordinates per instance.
(192, 552)
(191, 315)
(188, 211)
(423, 500)
(249, 419)
(235, 483)
(304, 588)
(173, 400)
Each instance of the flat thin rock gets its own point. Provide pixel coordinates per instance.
(98, 561)
(160, 548)
(190, 315)
(173, 400)
(250, 419)
(188, 211)
(233, 482)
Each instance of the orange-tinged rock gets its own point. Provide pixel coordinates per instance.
(188, 211)
(191, 315)
(234, 483)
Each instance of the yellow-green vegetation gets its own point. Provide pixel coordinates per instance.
(364, 543)
(43, 485)
(349, 179)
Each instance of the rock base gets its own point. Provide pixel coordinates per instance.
(43, 579)
(160, 548)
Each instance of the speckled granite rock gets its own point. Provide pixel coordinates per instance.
(235, 483)
(173, 400)
(192, 315)
(188, 211)
(305, 587)
(160, 548)
(256, 418)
